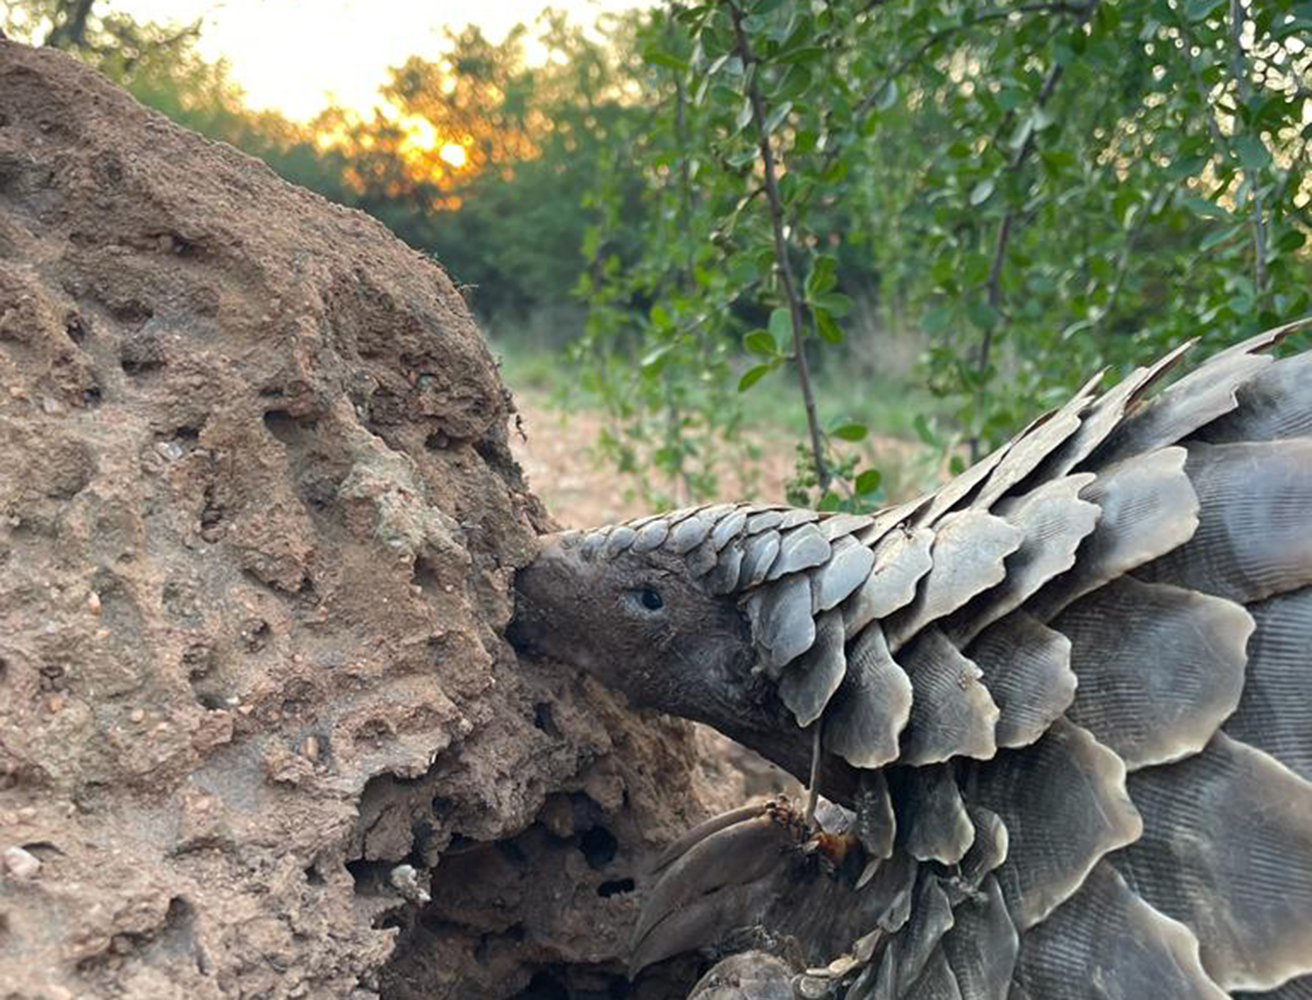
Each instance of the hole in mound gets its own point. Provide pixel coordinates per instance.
(543, 986)
(132, 312)
(425, 578)
(289, 430)
(211, 517)
(524, 916)
(76, 328)
(598, 846)
(544, 718)
(141, 355)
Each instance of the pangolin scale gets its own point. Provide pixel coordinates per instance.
(1067, 699)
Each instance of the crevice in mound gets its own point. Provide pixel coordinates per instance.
(545, 913)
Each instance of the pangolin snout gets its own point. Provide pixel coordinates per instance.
(544, 591)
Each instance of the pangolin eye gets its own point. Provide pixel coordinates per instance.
(651, 599)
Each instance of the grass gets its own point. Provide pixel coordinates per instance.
(888, 404)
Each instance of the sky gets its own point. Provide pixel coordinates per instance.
(297, 55)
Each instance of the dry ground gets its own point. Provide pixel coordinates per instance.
(580, 489)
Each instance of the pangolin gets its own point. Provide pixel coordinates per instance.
(1066, 700)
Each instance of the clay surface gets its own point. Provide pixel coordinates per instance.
(258, 524)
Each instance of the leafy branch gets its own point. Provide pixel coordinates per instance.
(788, 281)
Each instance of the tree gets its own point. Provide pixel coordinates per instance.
(1049, 186)
(117, 44)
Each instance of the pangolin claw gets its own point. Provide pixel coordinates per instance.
(721, 873)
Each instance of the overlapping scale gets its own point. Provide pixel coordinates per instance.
(1275, 712)
(799, 549)
(1065, 805)
(651, 536)
(967, 557)
(1030, 449)
(982, 946)
(1026, 667)
(1253, 538)
(1273, 405)
(901, 559)
(847, 568)
(724, 576)
(782, 625)
(872, 704)
(1108, 944)
(1159, 667)
(1053, 520)
(1198, 398)
(1227, 849)
(952, 713)
(1148, 506)
(938, 828)
(809, 681)
(1103, 415)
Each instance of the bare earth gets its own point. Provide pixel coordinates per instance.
(555, 450)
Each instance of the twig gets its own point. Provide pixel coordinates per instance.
(786, 276)
(942, 34)
(1006, 227)
(1239, 70)
(817, 757)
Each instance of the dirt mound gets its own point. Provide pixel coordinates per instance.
(258, 522)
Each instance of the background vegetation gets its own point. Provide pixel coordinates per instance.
(746, 213)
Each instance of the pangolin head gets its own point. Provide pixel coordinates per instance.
(640, 623)
(646, 622)
(691, 612)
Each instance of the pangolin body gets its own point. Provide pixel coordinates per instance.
(1068, 697)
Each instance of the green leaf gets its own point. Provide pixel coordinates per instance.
(653, 360)
(835, 303)
(744, 115)
(795, 83)
(868, 481)
(925, 432)
(781, 326)
(1218, 236)
(936, 319)
(980, 192)
(823, 276)
(777, 117)
(888, 97)
(827, 328)
(851, 431)
(1290, 241)
(1206, 209)
(754, 375)
(659, 57)
(1253, 153)
(1201, 10)
(761, 342)
(981, 314)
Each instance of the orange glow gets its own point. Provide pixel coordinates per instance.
(420, 136)
(454, 155)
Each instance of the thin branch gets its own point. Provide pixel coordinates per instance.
(787, 279)
(1083, 10)
(1007, 225)
(1239, 70)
